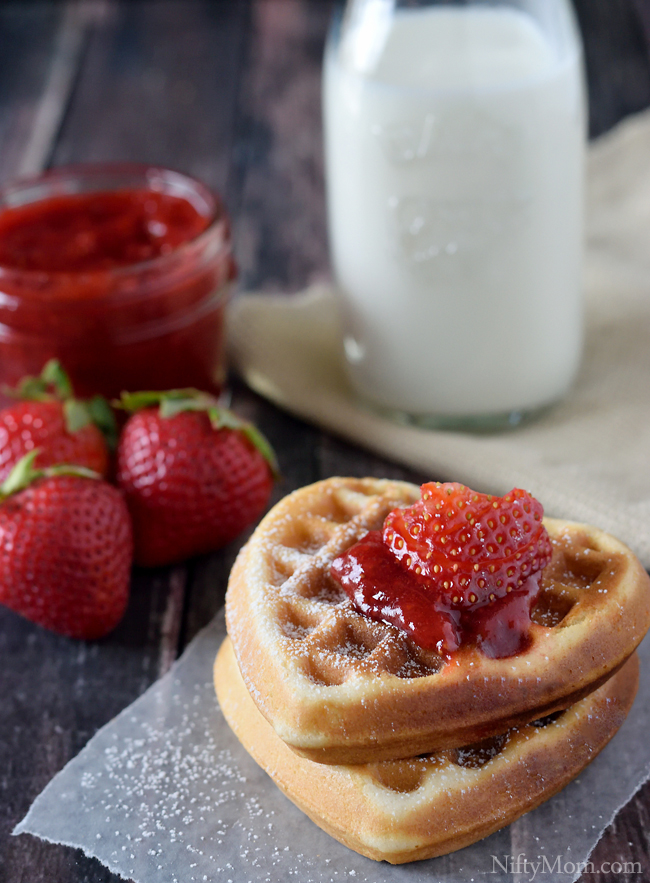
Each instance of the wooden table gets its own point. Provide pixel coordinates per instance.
(226, 90)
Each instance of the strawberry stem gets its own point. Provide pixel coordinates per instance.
(170, 407)
(221, 418)
(103, 417)
(20, 476)
(175, 401)
(170, 402)
(24, 473)
(53, 375)
(53, 384)
(77, 415)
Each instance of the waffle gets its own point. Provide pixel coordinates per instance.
(405, 810)
(340, 688)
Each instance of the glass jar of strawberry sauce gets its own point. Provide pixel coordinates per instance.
(120, 271)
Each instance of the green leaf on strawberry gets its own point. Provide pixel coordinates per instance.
(176, 401)
(53, 385)
(25, 473)
(53, 382)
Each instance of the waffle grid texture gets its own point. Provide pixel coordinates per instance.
(340, 688)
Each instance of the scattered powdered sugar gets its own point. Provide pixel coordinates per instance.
(165, 791)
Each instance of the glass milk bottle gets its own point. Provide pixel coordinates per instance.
(454, 143)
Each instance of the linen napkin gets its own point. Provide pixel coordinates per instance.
(589, 458)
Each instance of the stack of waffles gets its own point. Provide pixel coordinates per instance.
(397, 751)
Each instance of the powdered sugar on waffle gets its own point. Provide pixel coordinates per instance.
(308, 656)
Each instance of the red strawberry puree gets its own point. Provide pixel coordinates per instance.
(119, 271)
(455, 568)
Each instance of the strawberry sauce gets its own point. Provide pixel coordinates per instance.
(381, 589)
(84, 233)
(119, 271)
(455, 568)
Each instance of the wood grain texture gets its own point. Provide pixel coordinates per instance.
(28, 35)
(158, 85)
(228, 90)
(278, 156)
(55, 694)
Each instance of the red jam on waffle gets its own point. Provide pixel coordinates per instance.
(455, 568)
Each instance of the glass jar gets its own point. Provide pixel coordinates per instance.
(120, 271)
(454, 144)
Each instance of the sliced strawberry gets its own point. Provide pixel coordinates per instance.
(455, 568)
(474, 548)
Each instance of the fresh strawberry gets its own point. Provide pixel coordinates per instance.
(473, 547)
(67, 547)
(194, 475)
(48, 417)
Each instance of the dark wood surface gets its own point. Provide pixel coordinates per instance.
(227, 90)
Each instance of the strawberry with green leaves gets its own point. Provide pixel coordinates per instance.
(48, 417)
(194, 475)
(66, 548)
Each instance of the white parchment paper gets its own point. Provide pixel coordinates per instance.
(166, 793)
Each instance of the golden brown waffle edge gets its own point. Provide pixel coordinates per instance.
(406, 810)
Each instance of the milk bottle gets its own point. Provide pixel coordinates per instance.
(454, 157)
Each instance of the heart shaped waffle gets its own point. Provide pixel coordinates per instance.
(338, 687)
(417, 808)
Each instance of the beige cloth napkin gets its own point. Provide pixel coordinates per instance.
(586, 460)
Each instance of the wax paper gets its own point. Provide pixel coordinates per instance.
(166, 792)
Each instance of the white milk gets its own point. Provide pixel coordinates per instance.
(454, 151)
